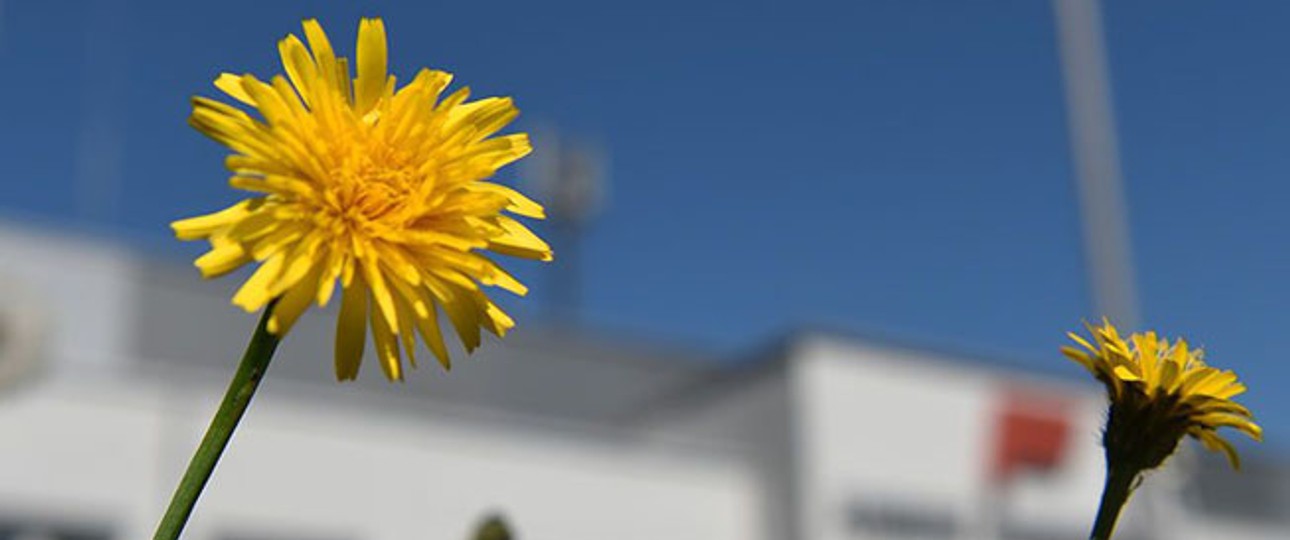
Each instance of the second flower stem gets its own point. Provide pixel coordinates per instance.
(240, 391)
(1119, 485)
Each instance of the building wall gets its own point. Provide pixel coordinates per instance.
(310, 463)
(95, 436)
(899, 444)
(749, 415)
(75, 290)
(832, 439)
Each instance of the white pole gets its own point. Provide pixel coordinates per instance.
(99, 153)
(1, 26)
(1103, 213)
(1096, 159)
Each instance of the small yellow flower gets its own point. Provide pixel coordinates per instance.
(1160, 391)
(382, 188)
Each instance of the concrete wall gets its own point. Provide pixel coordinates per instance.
(749, 417)
(314, 463)
(897, 442)
(94, 440)
(76, 290)
(829, 439)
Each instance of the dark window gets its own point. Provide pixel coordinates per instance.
(906, 522)
(35, 530)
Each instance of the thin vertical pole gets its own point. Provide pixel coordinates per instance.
(1096, 159)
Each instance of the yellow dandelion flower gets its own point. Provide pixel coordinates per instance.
(382, 188)
(1159, 392)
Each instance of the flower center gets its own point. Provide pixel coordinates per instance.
(372, 187)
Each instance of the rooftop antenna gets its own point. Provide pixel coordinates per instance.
(569, 178)
(1091, 120)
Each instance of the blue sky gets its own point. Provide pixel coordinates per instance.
(899, 167)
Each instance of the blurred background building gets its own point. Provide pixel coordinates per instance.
(113, 363)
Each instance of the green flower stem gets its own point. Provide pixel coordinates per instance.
(254, 363)
(1119, 485)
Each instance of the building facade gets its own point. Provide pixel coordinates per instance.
(112, 363)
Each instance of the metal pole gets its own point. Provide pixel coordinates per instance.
(99, 153)
(1, 26)
(1096, 159)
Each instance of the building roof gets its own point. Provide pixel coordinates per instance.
(550, 371)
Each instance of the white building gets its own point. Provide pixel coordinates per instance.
(113, 364)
